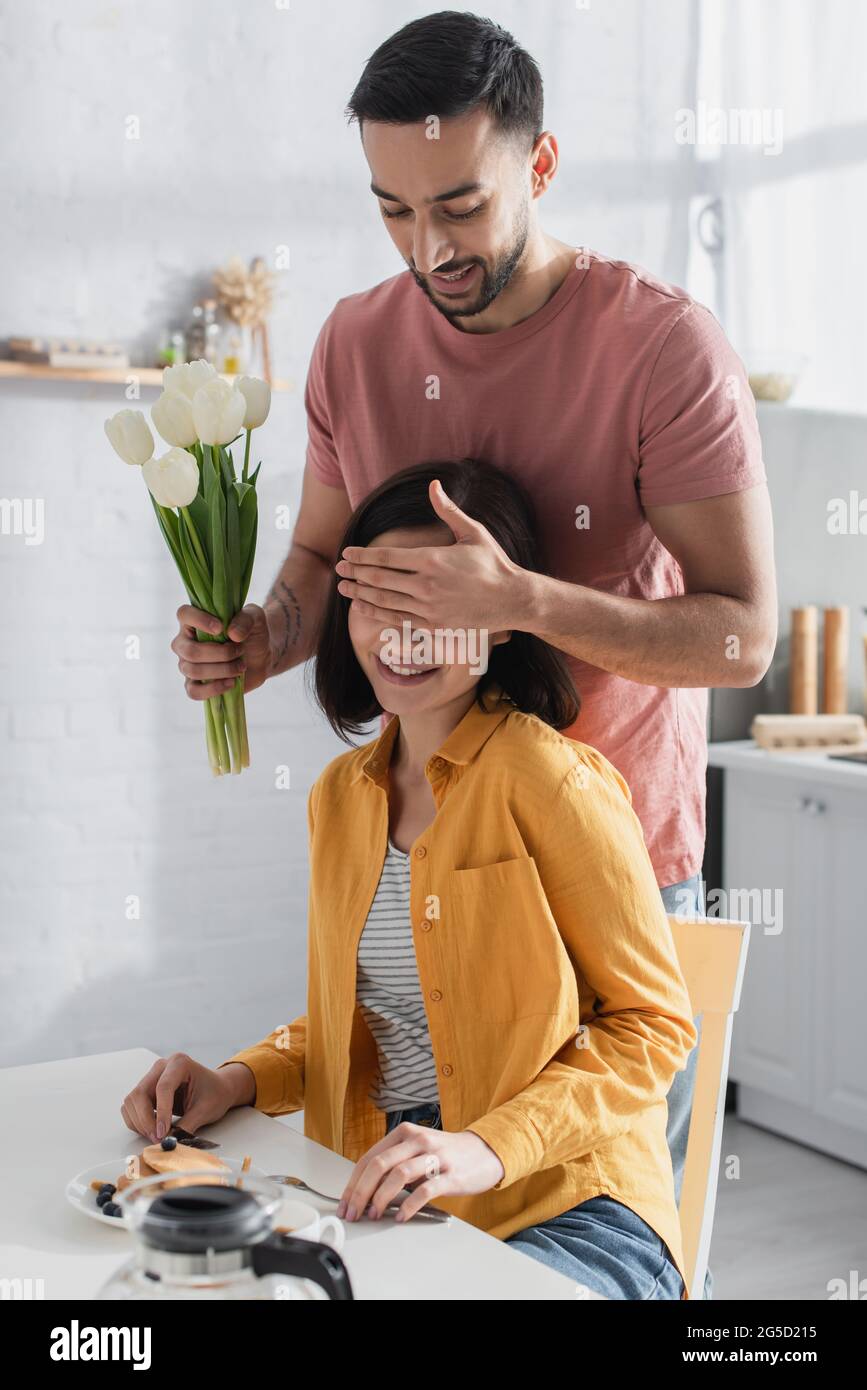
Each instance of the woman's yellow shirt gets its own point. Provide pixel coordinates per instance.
(558, 1014)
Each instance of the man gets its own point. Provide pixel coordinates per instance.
(615, 399)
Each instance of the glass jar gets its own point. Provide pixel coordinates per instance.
(212, 332)
(196, 334)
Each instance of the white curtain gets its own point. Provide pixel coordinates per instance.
(788, 278)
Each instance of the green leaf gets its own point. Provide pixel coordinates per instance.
(211, 481)
(249, 518)
(227, 468)
(165, 518)
(216, 504)
(198, 579)
(198, 451)
(202, 521)
(253, 476)
(248, 512)
(247, 572)
(168, 522)
(233, 549)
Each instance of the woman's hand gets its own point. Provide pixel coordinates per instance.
(179, 1086)
(430, 1162)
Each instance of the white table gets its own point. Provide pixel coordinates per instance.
(62, 1117)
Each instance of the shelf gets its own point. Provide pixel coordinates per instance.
(117, 376)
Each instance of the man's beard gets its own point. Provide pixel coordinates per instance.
(494, 279)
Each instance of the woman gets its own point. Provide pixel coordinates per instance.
(495, 1010)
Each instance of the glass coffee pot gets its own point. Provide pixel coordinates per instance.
(211, 1240)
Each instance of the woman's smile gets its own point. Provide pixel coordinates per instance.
(404, 675)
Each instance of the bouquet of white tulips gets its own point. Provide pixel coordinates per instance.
(207, 515)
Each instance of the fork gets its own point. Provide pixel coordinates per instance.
(426, 1213)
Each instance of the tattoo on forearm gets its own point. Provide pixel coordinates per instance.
(287, 602)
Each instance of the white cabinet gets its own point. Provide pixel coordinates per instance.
(794, 859)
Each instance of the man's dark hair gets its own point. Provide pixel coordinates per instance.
(447, 64)
(533, 674)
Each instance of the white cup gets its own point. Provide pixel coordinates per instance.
(307, 1223)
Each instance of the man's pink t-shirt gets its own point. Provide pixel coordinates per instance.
(620, 393)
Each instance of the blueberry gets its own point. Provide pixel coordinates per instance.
(103, 1197)
(170, 1142)
(108, 1187)
(111, 1209)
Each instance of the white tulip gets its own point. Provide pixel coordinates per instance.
(130, 437)
(257, 394)
(173, 479)
(173, 416)
(186, 378)
(218, 412)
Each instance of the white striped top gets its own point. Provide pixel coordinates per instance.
(389, 994)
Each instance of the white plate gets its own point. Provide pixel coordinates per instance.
(83, 1197)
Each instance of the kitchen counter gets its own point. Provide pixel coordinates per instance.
(745, 755)
(63, 1117)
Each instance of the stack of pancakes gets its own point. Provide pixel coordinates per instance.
(182, 1160)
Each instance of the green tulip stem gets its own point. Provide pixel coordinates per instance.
(246, 457)
(211, 740)
(240, 711)
(245, 746)
(219, 719)
(236, 725)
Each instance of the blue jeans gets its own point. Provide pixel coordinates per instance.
(601, 1242)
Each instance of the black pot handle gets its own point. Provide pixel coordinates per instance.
(304, 1259)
